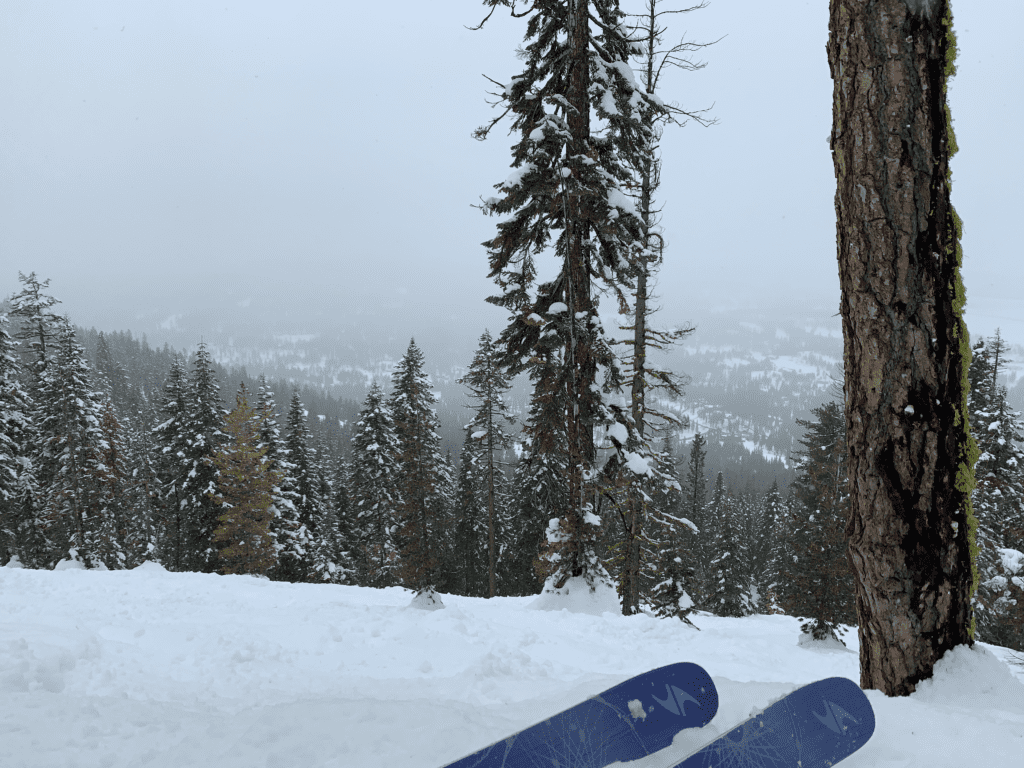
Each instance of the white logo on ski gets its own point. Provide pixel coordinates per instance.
(833, 717)
(676, 700)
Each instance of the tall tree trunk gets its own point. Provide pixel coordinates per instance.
(490, 502)
(911, 456)
(580, 357)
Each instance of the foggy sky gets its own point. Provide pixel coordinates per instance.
(157, 157)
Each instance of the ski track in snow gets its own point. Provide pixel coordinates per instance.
(149, 668)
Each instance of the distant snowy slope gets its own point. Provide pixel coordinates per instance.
(149, 668)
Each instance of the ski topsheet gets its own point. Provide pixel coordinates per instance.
(631, 720)
(814, 727)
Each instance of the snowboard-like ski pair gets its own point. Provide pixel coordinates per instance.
(815, 726)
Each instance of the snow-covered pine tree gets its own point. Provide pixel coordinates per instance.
(244, 494)
(328, 561)
(470, 556)
(540, 489)
(642, 375)
(445, 515)
(70, 462)
(488, 384)
(667, 577)
(755, 548)
(38, 327)
(113, 381)
(172, 465)
(143, 490)
(774, 513)
(348, 535)
(728, 593)
(693, 503)
(284, 525)
(998, 499)
(577, 110)
(122, 540)
(204, 435)
(20, 533)
(374, 491)
(815, 580)
(420, 473)
(297, 558)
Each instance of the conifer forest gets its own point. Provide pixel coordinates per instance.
(115, 453)
(570, 454)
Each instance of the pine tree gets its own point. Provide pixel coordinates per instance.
(420, 472)
(541, 492)
(756, 547)
(35, 333)
(284, 526)
(142, 491)
(204, 439)
(374, 491)
(39, 326)
(328, 561)
(171, 440)
(816, 582)
(20, 535)
(727, 594)
(669, 579)
(297, 559)
(472, 526)
(244, 494)
(998, 499)
(113, 380)
(645, 420)
(70, 462)
(577, 110)
(697, 544)
(348, 536)
(446, 517)
(488, 384)
(120, 545)
(774, 513)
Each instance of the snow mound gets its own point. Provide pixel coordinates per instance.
(69, 565)
(427, 601)
(14, 562)
(576, 596)
(150, 567)
(827, 645)
(964, 676)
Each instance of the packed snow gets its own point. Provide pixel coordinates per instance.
(150, 668)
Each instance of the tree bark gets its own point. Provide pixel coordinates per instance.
(582, 372)
(911, 456)
(490, 500)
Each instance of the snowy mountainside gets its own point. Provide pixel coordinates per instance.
(752, 377)
(752, 373)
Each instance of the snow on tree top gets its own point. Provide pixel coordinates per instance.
(618, 432)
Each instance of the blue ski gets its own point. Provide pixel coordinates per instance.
(631, 720)
(814, 727)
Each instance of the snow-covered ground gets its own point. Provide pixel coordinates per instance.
(149, 668)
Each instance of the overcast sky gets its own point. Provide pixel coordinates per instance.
(317, 154)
